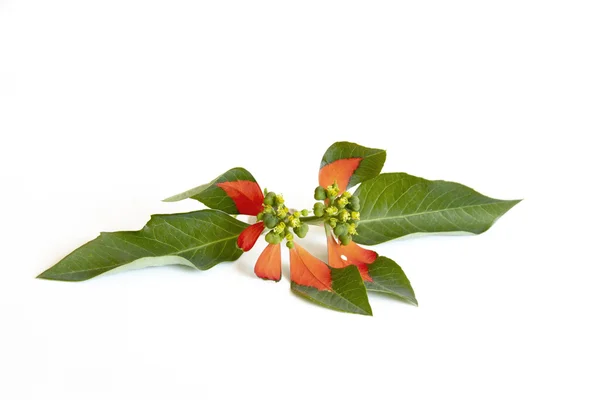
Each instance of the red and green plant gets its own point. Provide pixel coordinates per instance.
(384, 207)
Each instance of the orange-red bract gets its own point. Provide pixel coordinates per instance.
(250, 235)
(355, 255)
(246, 195)
(339, 171)
(268, 265)
(307, 270)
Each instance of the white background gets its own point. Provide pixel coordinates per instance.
(106, 107)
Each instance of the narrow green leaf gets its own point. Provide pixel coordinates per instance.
(389, 278)
(348, 295)
(370, 166)
(398, 204)
(213, 196)
(199, 239)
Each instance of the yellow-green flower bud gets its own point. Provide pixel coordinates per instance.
(273, 238)
(260, 216)
(279, 228)
(279, 199)
(331, 210)
(318, 212)
(269, 199)
(290, 245)
(305, 213)
(345, 239)
(341, 229)
(296, 214)
(289, 236)
(320, 193)
(347, 195)
(333, 222)
(355, 215)
(354, 203)
(341, 202)
(268, 209)
(344, 215)
(270, 221)
(301, 230)
(352, 229)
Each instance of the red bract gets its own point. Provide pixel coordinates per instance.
(248, 198)
(352, 254)
(250, 235)
(268, 265)
(339, 171)
(307, 270)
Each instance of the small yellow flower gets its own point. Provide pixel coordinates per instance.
(295, 222)
(347, 195)
(331, 210)
(282, 212)
(279, 228)
(342, 201)
(333, 190)
(279, 199)
(355, 215)
(344, 215)
(352, 229)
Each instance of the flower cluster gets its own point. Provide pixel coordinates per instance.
(336, 209)
(340, 211)
(281, 221)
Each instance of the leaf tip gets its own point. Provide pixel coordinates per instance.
(46, 275)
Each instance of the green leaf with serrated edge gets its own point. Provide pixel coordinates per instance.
(199, 239)
(398, 204)
(348, 292)
(389, 278)
(213, 196)
(370, 166)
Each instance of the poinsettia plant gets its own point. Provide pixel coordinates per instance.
(384, 207)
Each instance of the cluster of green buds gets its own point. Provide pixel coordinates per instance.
(281, 221)
(339, 211)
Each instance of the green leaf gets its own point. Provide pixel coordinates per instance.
(348, 295)
(199, 239)
(398, 204)
(213, 196)
(370, 166)
(389, 278)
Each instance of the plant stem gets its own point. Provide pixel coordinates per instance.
(312, 220)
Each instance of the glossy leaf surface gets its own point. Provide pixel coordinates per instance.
(347, 294)
(387, 277)
(398, 204)
(199, 239)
